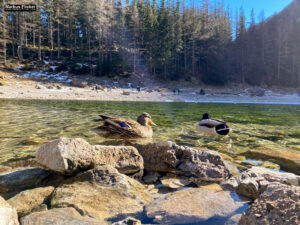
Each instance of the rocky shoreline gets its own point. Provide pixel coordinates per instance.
(72, 182)
(56, 86)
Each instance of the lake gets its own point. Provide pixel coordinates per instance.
(26, 124)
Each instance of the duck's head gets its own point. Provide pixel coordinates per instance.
(145, 119)
(205, 116)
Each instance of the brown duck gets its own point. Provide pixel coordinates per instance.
(126, 129)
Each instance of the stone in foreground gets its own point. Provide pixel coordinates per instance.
(61, 216)
(67, 155)
(185, 161)
(27, 200)
(102, 193)
(8, 215)
(21, 178)
(126, 159)
(252, 182)
(194, 205)
(279, 204)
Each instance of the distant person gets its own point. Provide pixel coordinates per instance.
(174, 91)
(178, 91)
(138, 88)
(202, 92)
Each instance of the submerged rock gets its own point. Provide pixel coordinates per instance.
(102, 193)
(287, 159)
(67, 155)
(8, 215)
(21, 178)
(185, 161)
(26, 201)
(251, 183)
(279, 204)
(61, 216)
(194, 205)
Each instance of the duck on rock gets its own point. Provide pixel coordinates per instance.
(212, 126)
(124, 128)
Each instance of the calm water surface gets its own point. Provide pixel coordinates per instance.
(26, 124)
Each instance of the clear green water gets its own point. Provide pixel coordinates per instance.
(26, 124)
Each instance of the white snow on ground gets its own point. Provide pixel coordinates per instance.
(60, 77)
(53, 67)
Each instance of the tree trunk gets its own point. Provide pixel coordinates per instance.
(58, 35)
(21, 36)
(39, 24)
(4, 33)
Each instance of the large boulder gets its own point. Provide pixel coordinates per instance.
(27, 200)
(287, 159)
(61, 216)
(279, 204)
(8, 215)
(67, 155)
(102, 193)
(181, 160)
(194, 205)
(20, 179)
(252, 182)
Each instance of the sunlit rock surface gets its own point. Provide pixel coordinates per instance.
(8, 215)
(287, 159)
(194, 205)
(60, 216)
(251, 183)
(102, 193)
(27, 200)
(67, 155)
(278, 204)
(182, 160)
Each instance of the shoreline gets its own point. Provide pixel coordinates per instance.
(18, 86)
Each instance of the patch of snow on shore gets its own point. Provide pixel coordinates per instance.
(61, 76)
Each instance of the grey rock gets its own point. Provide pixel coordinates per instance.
(27, 200)
(67, 155)
(61, 216)
(21, 179)
(252, 182)
(102, 193)
(194, 205)
(279, 204)
(185, 161)
(151, 177)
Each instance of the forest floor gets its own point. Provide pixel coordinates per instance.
(38, 85)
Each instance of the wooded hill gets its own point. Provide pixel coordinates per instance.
(169, 40)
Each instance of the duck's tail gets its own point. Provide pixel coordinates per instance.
(222, 129)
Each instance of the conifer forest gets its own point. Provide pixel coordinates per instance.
(165, 39)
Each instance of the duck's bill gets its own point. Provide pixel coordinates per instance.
(152, 124)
